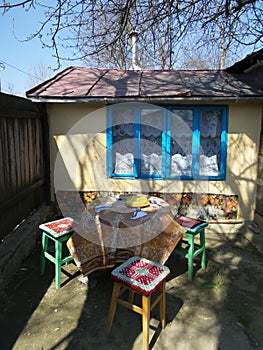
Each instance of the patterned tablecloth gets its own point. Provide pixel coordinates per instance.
(108, 235)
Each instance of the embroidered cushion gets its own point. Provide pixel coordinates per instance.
(59, 227)
(190, 224)
(141, 274)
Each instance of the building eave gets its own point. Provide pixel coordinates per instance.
(109, 100)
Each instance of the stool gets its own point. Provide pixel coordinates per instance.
(144, 277)
(194, 227)
(58, 231)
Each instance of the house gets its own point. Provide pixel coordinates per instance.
(192, 137)
(251, 67)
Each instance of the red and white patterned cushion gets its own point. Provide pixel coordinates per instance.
(190, 224)
(141, 274)
(59, 227)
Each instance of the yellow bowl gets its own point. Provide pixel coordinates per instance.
(137, 201)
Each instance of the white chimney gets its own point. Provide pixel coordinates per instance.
(134, 38)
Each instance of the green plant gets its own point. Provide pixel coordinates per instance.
(218, 281)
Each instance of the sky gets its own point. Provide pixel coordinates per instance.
(18, 59)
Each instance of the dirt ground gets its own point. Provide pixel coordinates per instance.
(221, 309)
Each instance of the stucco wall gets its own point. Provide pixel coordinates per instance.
(259, 200)
(78, 132)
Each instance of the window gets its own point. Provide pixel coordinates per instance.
(167, 142)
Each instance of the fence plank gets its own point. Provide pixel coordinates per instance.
(21, 141)
(17, 154)
(6, 166)
(2, 176)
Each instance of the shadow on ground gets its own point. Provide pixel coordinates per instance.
(220, 310)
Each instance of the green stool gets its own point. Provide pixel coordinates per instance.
(58, 231)
(194, 227)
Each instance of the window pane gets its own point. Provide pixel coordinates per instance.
(122, 142)
(181, 142)
(210, 134)
(190, 138)
(151, 142)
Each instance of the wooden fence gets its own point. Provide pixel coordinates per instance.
(24, 160)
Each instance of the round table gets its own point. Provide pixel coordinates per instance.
(107, 234)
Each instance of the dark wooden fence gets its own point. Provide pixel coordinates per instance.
(24, 161)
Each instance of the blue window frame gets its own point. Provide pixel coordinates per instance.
(171, 142)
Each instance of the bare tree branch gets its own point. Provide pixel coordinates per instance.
(18, 4)
(97, 31)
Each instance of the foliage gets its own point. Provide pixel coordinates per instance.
(219, 281)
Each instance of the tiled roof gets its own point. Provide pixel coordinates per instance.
(79, 83)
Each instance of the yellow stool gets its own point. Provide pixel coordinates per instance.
(58, 232)
(142, 276)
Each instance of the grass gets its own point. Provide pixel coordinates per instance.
(219, 281)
